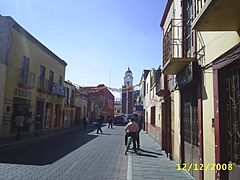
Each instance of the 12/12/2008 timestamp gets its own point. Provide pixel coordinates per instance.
(206, 167)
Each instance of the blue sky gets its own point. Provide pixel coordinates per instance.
(98, 39)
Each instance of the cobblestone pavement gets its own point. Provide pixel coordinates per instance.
(102, 158)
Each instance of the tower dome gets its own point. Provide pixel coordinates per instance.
(128, 79)
(128, 71)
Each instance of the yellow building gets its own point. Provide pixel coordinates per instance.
(217, 24)
(32, 78)
(201, 51)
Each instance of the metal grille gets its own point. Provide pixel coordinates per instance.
(191, 117)
(233, 114)
(187, 123)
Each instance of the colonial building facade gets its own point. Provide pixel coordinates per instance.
(32, 78)
(102, 101)
(152, 106)
(201, 55)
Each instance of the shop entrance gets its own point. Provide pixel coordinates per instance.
(40, 111)
(48, 115)
(19, 104)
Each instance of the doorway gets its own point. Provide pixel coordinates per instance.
(190, 127)
(19, 104)
(229, 119)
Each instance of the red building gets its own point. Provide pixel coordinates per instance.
(102, 101)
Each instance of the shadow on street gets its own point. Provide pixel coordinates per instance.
(150, 152)
(48, 149)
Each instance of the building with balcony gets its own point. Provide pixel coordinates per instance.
(217, 25)
(32, 78)
(181, 86)
(205, 72)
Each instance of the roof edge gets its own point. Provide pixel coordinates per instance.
(167, 8)
(24, 32)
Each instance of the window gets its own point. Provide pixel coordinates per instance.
(60, 80)
(41, 77)
(147, 88)
(66, 91)
(153, 119)
(24, 70)
(51, 76)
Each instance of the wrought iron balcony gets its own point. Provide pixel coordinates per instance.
(43, 85)
(26, 79)
(217, 15)
(174, 46)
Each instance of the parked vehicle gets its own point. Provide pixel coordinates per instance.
(118, 120)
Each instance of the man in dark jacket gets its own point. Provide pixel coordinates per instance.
(99, 124)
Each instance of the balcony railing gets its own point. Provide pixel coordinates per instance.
(174, 45)
(43, 85)
(26, 79)
(216, 15)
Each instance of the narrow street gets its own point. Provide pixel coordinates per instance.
(81, 155)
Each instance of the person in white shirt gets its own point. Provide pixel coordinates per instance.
(19, 119)
(131, 130)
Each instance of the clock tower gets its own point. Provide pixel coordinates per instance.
(127, 93)
(128, 78)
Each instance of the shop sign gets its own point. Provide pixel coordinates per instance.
(185, 76)
(58, 89)
(22, 93)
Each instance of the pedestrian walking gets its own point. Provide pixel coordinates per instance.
(84, 121)
(110, 122)
(99, 124)
(38, 124)
(19, 120)
(28, 121)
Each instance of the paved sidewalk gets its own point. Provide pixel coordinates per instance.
(152, 163)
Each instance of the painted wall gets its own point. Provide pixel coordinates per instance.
(2, 90)
(176, 126)
(216, 43)
(151, 100)
(22, 46)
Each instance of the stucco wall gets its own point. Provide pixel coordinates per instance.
(2, 90)
(176, 126)
(216, 43)
(151, 100)
(22, 46)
